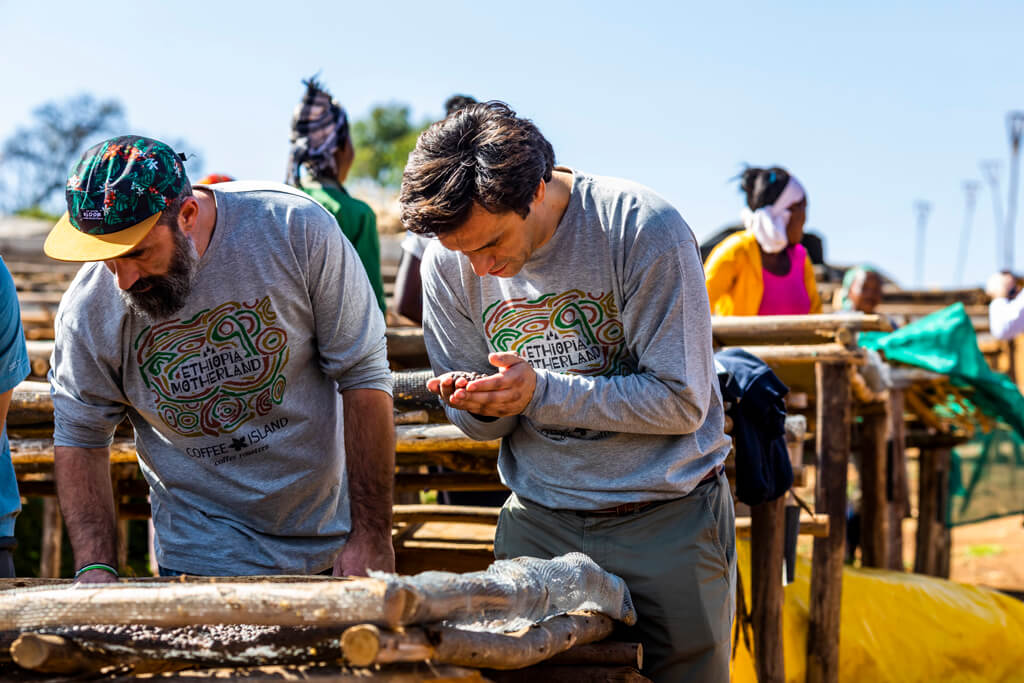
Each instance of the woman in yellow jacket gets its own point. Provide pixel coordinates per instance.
(764, 270)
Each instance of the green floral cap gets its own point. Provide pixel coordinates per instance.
(115, 195)
(121, 182)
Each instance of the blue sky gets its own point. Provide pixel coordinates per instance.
(873, 105)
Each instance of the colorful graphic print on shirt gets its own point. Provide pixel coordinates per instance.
(573, 332)
(214, 372)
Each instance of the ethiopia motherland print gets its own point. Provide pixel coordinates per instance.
(216, 371)
(573, 332)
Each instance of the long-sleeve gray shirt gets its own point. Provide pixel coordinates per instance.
(613, 315)
(234, 399)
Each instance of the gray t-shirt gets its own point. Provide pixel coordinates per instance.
(235, 400)
(612, 313)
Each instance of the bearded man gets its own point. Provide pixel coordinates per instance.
(234, 326)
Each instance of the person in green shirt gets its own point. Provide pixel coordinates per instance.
(320, 159)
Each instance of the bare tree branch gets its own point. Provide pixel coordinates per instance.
(36, 159)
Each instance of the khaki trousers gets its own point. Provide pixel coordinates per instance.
(677, 558)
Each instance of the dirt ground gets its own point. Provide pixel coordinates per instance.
(988, 553)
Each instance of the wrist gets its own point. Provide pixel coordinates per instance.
(97, 566)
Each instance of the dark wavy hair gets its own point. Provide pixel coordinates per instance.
(762, 185)
(482, 154)
(457, 102)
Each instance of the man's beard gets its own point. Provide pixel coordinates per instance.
(159, 296)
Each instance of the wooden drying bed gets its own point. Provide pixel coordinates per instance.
(392, 625)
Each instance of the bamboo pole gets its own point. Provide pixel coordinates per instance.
(364, 645)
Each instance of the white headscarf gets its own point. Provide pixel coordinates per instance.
(769, 222)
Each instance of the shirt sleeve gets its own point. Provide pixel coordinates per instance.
(667, 325)
(349, 324)
(721, 272)
(85, 381)
(14, 363)
(1006, 317)
(454, 343)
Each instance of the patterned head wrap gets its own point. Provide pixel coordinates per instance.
(319, 127)
(769, 222)
(851, 275)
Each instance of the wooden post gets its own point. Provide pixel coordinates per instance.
(898, 489)
(766, 559)
(52, 540)
(833, 444)
(874, 506)
(933, 537)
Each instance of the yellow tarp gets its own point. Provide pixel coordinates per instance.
(902, 627)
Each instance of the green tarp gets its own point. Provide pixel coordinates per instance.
(987, 473)
(945, 342)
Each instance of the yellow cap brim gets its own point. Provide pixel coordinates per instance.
(66, 243)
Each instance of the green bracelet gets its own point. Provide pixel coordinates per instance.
(97, 565)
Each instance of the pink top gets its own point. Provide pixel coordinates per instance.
(786, 294)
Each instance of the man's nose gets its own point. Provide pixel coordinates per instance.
(481, 264)
(126, 272)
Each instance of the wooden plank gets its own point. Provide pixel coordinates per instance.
(44, 299)
(810, 525)
(476, 461)
(30, 404)
(34, 456)
(833, 446)
(445, 513)
(766, 559)
(442, 556)
(438, 437)
(406, 342)
(919, 310)
(448, 481)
